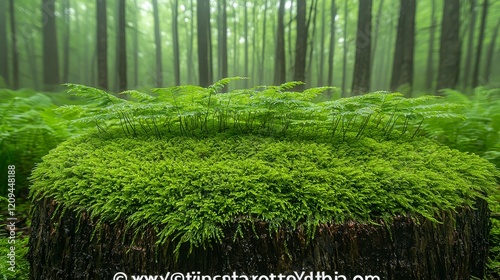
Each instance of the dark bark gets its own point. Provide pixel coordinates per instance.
(362, 68)
(66, 57)
(204, 43)
(62, 245)
(491, 50)
(402, 69)
(429, 73)
(301, 44)
(479, 50)
(344, 62)
(470, 43)
(159, 69)
(4, 69)
(175, 35)
(322, 44)
(122, 48)
(102, 45)
(264, 40)
(449, 50)
(222, 40)
(50, 56)
(331, 51)
(280, 60)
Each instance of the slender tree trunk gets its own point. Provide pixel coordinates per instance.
(314, 6)
(429, 73)
(290, 46)
(4, 69)
(475, 74)
(15, 50)
(491, 50)
(470, 44)
(66, 57)
(95, 60)
(375, 37)
(245, 34)
(361, 76)
(263, 61)
(449, 50)
(122, 48)
(235, 45)
(204, 43)
(50, 56)
(254, 40)
(322, 46)
(222, 40)
(344, 63)
(175, 34)
(191, 72)
(136, 44)
(331, 51)
(159, 69)
(300, 44)
(402, 69)
(280, 62)
(102, 45)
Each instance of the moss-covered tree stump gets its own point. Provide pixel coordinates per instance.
(259, 205)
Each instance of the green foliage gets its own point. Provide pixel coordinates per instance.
(22, 265)
(189, 188)
(265, 110)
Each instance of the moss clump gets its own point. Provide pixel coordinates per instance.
(190, 188)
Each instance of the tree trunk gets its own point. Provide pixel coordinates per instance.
(191, 72)
(331, 52)
(491, 50)
(375, 39)
(300, 44)
(175, 34)
(66, 57)
(344, 63)
(204, 43)
(322, 44)
(254, 42)
(158, 45)
(314, 6)
(50, 56)
(449, 50)
(235, 45)
(222, 40)
(361, 76)
(136, 44)
(429, 73)
(280, 62)
(4, 69)
(122, 48)
(402, 69)
(262, 58)
(290, 46)
(102, 45)
(245, 34)
(479, 50)
(470, 44)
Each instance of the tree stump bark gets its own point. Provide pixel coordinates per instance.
(63, 246)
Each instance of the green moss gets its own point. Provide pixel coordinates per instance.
(21, 271)
(191, 187)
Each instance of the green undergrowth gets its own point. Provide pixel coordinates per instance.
(21, 269)
(190, 187)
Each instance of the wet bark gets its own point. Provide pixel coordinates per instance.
(449, 50)
(63, 246)
(204, 43)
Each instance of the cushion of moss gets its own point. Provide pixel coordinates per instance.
(193, 187)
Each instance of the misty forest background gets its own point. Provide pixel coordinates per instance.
(358, 46)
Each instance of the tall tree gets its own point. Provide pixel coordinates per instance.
(331, 51)
(470, 43)
(309, 62)
(136, 44)
(122, 48)
(159, 69)
(362, 69)
(4, 70)
(102, 45)
(322, 44)
(449, 50)
(344, 62)
(429, 73)
(50, 56)
(263, 61)
(204, 43)
(66, 40)
(375, 36)
(402, 70)
(245, 34)
(491, 50)
(479, 50)
(175, 41)
(190, 39)
(280, 62)
(301, 44)
(222, 39)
